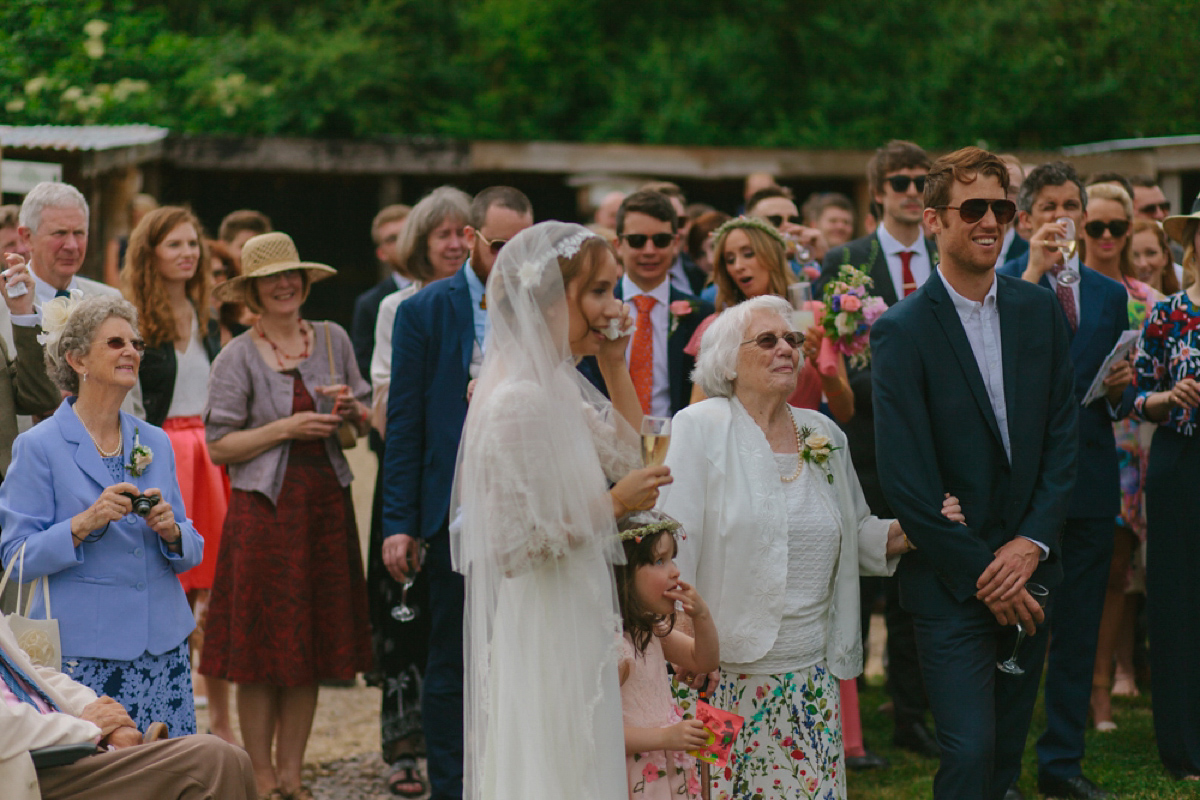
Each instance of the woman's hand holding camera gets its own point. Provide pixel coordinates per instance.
(112, 504)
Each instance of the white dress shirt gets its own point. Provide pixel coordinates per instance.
(1072, 263)
(921, 265)
(660, 399)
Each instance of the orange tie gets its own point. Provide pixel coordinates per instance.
(641, 356)
(910, 283)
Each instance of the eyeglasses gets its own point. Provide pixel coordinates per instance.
(495, 245)
(767, 341)
(900, 183)
(638, 240)
(1149, 210)
(119, 343)
(777, 220)
(1095, 228)
(976, 209)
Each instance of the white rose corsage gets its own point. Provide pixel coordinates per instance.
(815, 448)
(55, 315)
(140, 458)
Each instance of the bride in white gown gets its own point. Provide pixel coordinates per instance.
(538, 535)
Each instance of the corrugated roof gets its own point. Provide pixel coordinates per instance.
(79, 137)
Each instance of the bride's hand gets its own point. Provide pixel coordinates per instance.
(638, 490)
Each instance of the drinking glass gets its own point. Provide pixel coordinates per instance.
(1010, 667)
(325, 398)
(404, 612)
(1068, 243)
(800, 296)
(656, 437)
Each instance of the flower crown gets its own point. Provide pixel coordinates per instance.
(749, 222)
(637, 525)
(55, 315)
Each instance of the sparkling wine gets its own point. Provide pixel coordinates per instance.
(1068, 249)
(654, 448)
(803, 320)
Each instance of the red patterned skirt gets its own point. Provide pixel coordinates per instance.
(289, 603)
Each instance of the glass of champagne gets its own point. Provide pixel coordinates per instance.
(404, 612)
(1068, 243)
(800, 296)
(656, 437)
(1011, 667)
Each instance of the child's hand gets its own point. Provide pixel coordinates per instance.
(689, 734)
(687, 596)
(952, 511)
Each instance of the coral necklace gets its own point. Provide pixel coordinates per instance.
(280, 355)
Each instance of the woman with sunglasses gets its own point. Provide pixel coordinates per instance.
(749, 260)
(1168, 371)
(91, 502)
(1107, 246)
(778, 532)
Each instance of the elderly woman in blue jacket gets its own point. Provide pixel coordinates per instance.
(91, 502)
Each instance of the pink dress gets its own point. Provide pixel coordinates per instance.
(646, 703)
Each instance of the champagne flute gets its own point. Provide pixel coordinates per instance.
(1068, 243)
(1010, 667)
(656, 437)
(404, 612)
(800, 296)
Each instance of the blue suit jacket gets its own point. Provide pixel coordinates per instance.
(431, 352)
(679, 363)
(115, 598)
(936, 432)
(1103, 317)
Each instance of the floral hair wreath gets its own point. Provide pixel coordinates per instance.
(637, 525)
(749, 222)
(55, 315)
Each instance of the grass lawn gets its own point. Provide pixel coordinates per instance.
(1124, 761)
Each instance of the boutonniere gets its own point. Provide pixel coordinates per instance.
(140, 457)
(815, 448)
(677, 309)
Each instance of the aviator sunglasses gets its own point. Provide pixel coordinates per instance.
(767, 341)
(638, 240)
(495, 245)
(976, 209)
(777, 220)
(900, 183)
(1095, 228)
(119, 342)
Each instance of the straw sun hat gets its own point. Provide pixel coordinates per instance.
(268, 254)
(1174, 226)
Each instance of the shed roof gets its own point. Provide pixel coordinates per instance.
(79, 137)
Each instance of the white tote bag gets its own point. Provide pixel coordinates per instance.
(37, 637)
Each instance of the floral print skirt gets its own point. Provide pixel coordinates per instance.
(152, 688)
(791, 744)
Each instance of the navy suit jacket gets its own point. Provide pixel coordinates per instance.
(432, 343)
(1103, 318)
(936, 432)
(858, 253)
(679, 363)
(362, 324)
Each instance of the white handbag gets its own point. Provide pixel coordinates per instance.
(37, 637)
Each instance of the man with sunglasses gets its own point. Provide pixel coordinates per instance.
(1150, 202)
(776, 205)
(646, 242)
(1094, 307)
(684, 274)
(972, 396)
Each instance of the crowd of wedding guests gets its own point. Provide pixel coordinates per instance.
(545, 607)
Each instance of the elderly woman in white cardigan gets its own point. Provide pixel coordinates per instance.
(777, 534)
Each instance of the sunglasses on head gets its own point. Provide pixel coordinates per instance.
(119, 342)
(638, 240)
(1153, 207)
(495, 245)
(976, 209)
(900, 183)
(767, 341)
(777, 220)
(1095, 228)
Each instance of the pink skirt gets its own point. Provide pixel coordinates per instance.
(205, 489)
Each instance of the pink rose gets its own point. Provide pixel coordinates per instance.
(873, 309)
(680, 308)
(851, 303)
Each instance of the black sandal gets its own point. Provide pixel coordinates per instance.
(405, 776)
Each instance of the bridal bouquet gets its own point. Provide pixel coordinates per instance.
(850, 311)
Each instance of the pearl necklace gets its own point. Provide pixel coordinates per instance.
(104, 453)
(799, 451)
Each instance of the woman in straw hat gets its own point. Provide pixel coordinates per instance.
(289, 606)
(1168, 370)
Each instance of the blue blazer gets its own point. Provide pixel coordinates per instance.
(115, 598)
(1103, 317)
(936, 432)
(432, 341)
(679, 363)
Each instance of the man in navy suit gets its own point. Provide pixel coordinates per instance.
(436, 350)
(385, 232)
(1095, 310)
(973, 396)
(646, 244)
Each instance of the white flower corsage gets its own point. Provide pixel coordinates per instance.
(140, 458)
(815, 448)
(55, 315)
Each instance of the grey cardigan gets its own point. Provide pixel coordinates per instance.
(244, 393)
